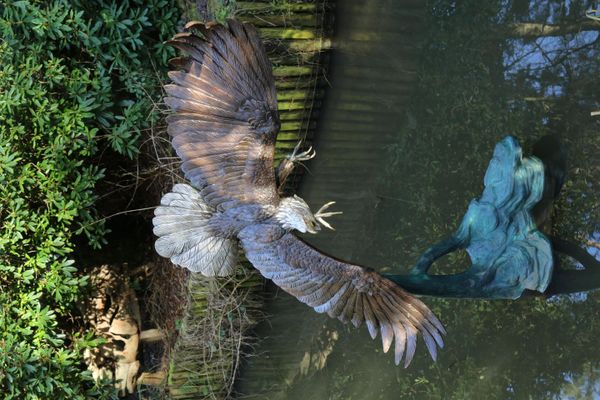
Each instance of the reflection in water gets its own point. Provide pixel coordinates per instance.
(421, 92)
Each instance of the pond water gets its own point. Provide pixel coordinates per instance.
(419, 94)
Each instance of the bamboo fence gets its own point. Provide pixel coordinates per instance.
(207, 355)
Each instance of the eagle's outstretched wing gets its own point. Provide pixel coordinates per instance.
(348, 292)
(226, 121)
(224, 130)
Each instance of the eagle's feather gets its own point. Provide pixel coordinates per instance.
(344, 291)
(224, 129)
(226, 118)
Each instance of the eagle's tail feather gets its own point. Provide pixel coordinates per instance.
(184, 235)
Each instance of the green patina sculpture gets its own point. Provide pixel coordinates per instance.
(509, 254)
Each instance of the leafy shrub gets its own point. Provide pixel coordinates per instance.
(77, 77)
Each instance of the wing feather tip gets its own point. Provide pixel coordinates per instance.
(386, 336)
(372, 329)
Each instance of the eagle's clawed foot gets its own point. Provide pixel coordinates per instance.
(320, 215)
(306, 155)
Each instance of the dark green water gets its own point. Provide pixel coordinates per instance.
(420, 93)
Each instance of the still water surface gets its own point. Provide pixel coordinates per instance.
(420, 93)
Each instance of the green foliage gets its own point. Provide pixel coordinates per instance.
(77, 77)
(213, 10)
(221, 9)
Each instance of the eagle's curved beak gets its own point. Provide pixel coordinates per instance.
(314, 229)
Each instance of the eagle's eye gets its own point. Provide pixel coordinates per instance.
(312, 226)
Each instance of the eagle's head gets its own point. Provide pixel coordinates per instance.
(294, 213)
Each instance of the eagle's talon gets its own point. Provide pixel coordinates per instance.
(320, 215)
(306, 155)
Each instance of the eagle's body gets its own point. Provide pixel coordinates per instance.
(224, 129)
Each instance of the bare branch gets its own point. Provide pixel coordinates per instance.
(535, 29)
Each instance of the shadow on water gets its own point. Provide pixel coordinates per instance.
(420, 94)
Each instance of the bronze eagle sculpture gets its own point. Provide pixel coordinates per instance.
(224, 128)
